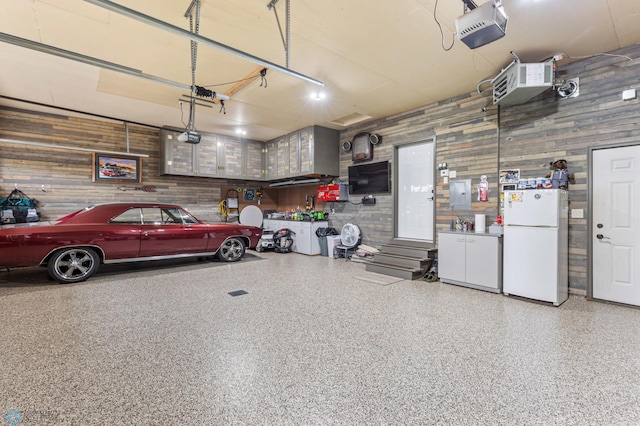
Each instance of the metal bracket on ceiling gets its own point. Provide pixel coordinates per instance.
(469, 5)
(286, 38)
(194, 28)
(165, 26)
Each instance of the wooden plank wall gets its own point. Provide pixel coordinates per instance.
(67, 174)
(466, 139)
(526, 137)
(547, 129)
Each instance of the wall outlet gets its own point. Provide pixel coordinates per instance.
(629, 94)
(577, 213)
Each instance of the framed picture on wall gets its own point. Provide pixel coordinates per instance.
(249, 194)
(116, 168)
(509, 176)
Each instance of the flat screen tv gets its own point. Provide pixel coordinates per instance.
(369, 178)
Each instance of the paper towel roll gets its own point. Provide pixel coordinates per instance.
(480, 224)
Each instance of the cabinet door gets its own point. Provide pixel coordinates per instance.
(253, 160)
(179, 156)
(283, 157)
(306, 150)
(482, 260)
(303, 238)
(294, 154)
(233, 157)
(207, 156)
(451, 257)
(271, 160)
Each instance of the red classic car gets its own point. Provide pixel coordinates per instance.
(72, 247)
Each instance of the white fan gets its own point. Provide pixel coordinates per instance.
(350, 235)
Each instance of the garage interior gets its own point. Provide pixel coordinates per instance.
(308, 340)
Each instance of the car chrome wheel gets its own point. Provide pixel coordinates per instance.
(231, 250)
(73, 265)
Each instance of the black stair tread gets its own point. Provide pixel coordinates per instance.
(393, 266)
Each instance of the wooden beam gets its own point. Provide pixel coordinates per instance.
(244, 82)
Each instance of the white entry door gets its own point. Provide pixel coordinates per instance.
(414, 207)
(615, 224)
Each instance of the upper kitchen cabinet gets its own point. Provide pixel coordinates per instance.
(293, 140)
(187, 159)
(231, 157)
(215, 156)
(270, 160)
(313, 150)
(282, 154)
(254, 166)
(319, 151)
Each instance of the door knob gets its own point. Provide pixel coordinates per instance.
(602, 237)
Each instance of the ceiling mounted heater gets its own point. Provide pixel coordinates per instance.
(520, 82)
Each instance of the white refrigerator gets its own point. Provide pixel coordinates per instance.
(536, 244)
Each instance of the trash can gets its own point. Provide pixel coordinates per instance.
(322, 234)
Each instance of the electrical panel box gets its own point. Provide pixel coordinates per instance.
(333, 192)
(460, 194)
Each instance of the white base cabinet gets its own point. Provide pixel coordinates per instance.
(471, 260)
(305, 240)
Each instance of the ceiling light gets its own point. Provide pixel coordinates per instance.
(318, 96)
(241, 132)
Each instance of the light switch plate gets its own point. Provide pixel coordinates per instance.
(452, 174)
(577, 213)
(444, 172)
(629, 94)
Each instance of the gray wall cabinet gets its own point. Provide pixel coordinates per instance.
(217, 156)
(313, 150)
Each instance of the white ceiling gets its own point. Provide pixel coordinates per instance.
(376, 58)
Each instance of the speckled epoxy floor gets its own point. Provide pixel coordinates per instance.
(308, 345)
